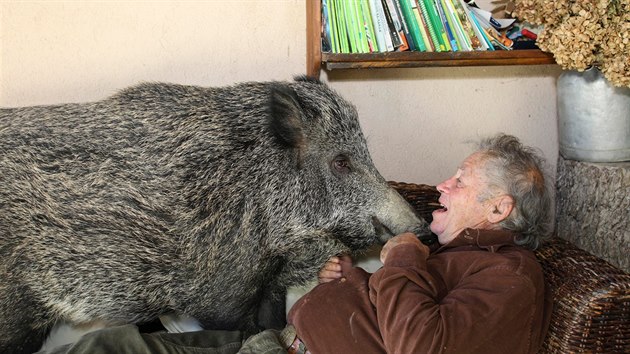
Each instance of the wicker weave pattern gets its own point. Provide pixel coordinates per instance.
(422, 197)
(591, 301)
(591, 297)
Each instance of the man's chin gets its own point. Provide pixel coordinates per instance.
(435, 229)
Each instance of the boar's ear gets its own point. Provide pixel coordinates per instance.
(286, 117)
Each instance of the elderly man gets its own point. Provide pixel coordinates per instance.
(481, 291)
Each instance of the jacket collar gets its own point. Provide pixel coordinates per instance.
(490, 240)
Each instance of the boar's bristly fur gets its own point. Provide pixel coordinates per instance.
(164, 197)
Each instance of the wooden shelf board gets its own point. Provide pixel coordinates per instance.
(423, 59)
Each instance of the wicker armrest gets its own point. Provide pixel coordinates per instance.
(591, 297)
(591, 301)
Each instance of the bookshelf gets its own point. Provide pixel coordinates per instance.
(316, 60)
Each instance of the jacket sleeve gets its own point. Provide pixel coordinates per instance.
(478, 315)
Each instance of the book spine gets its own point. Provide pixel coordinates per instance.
(353, 27)
(333, 27)
(327, 37)
(437, 24)
(448, 13)
(405, 6)
(385, 41)
(475, 42)
(380, 12)
(362, 40)
(450, 35)
(370, 31)
(481, 32)
(344, 38)
(423, 27)
(378, 31)
(394, 7)
(348, 26)
(427, 20)
(391, 25)
(459, 26)
(444, 26)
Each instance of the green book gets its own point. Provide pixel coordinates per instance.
(424, 30)
(458, 31)
(344, 41)
(351, 27)
(461, 25)
(362, 39)
(369, 27)
(410, 18)
(328, 13)
(427, 19)
(436, 22)
(355, 27)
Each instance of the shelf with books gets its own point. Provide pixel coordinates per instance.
(318, 60)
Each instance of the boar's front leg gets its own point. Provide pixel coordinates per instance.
(272, 309)
(23, 324)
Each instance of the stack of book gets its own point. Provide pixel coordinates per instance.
(372, 26)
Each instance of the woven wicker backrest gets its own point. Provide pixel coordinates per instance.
(591, 297)
(591, 301)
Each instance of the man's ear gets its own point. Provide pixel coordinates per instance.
(500, 208)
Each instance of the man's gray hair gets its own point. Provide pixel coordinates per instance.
(519, 171)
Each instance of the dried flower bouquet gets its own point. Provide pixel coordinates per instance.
(583, 33)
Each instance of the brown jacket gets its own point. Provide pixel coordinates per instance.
(480, 293)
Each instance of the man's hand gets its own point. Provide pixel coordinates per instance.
(407, 237)
(332, 270)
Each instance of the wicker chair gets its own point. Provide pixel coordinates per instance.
(591, 297)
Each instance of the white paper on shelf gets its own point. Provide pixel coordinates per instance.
(485, 16)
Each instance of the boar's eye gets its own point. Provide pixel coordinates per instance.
(341, 164)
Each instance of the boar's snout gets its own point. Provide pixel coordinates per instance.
(382, 232)
(395, 216)
(420, 229)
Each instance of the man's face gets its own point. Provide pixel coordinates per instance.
(460, 198)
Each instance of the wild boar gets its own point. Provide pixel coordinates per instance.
(209, 201)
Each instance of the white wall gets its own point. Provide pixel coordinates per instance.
(415, 119)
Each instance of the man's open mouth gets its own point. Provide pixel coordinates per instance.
(439, 207)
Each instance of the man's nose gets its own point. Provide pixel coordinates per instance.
(445, 186)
